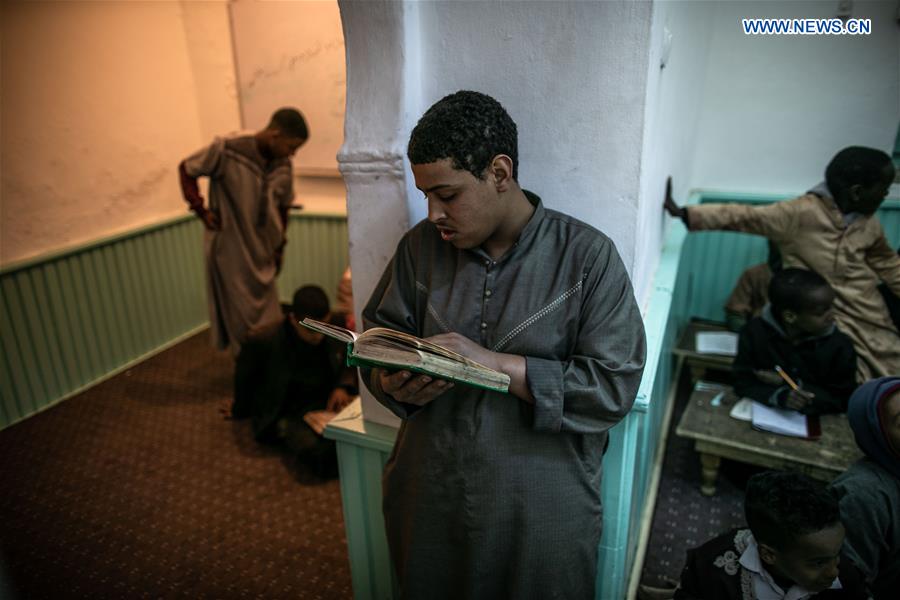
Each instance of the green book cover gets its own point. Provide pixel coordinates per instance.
(396, 350)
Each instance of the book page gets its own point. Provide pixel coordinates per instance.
(397, 339)
(335, 331)
(318, 419)
(778, 420)
(717, 342)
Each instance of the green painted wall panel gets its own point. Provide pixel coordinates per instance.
(16, 375)
(72, 318)
(56, 312)
(305, 263)
(58, 336)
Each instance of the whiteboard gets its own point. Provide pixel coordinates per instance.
(292, 54)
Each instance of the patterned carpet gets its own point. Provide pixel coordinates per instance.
(684, 518)
(139, 488)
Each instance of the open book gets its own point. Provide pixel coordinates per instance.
(382, 347)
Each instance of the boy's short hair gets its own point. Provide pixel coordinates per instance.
(856, 165)
(310, 301)
(468, 127)
(791, 289)
(290, 122)
(781, 506)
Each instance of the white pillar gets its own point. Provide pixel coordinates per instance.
(372, 157)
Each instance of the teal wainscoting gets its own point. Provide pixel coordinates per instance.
(635, 442)
(73, 318)
(363, 449)
(317, 253)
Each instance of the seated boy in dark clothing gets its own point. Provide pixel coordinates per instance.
(290, 370)
(796, 332)
(791, 551)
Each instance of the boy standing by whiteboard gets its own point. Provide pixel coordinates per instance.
(251, 188)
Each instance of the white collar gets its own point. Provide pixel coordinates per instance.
(764, 585)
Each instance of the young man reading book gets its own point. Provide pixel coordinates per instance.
(491, 495)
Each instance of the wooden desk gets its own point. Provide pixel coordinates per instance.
(717, 435)
(698, 363)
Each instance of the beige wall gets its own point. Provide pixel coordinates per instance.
(100, 100)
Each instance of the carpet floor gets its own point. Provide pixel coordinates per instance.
(139, 488)
(683, 517)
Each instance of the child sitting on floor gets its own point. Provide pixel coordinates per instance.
(790, 551)
(796, 332)
(287, 371)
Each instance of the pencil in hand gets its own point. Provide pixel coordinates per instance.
(787, 378)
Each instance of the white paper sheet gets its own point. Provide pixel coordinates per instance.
(778, 420)
(717, 342)
(743, 410)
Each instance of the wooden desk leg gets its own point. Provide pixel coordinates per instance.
(709, 472)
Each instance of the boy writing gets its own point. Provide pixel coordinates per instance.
(796, 332)
(791, 550)
(831, 230)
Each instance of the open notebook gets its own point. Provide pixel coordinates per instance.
(785, 422)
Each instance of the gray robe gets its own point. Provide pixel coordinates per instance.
(247, 194)
(486, 496)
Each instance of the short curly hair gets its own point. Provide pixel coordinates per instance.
(792, 289)
(780, 506)
(290, 122)
(468, 127)
(856, 165)
(310, 301)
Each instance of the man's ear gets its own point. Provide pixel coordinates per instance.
(501, 169)
(853, 193)
(767, 553)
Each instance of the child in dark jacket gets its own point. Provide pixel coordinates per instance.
(790, 550)
(796, 332)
